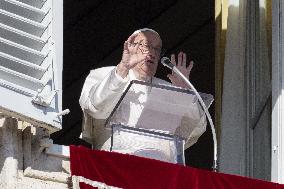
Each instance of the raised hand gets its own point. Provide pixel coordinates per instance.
(181, 66)
(130, 56)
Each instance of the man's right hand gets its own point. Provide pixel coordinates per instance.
(130, 56)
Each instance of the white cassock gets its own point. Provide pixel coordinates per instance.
(101, 92)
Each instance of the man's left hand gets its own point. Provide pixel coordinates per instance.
(181, 66)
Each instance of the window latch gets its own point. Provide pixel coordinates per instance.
(44, 100)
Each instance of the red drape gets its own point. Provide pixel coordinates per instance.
(127, 171)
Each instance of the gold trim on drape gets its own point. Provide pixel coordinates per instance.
(221, 15)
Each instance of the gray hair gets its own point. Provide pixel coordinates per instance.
(147, 29)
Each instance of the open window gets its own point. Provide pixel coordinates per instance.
(31, 37)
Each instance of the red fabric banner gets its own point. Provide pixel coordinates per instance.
(104, 169)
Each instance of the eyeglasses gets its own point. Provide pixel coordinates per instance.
(145, 48)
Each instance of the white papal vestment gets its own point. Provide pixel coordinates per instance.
(102, 90)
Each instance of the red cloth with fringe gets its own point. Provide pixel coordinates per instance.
(95, 168)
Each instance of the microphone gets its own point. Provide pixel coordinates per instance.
(167, 62)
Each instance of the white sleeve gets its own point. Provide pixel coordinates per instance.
(193, 125)
(100, 94)
(199, 129)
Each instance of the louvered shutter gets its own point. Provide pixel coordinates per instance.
(31, 37)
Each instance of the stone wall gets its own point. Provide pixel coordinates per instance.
(29, 159)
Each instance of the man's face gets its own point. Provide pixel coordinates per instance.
(150, 45)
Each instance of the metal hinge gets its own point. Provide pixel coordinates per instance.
(44, 101)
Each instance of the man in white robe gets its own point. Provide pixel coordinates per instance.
(104, 86)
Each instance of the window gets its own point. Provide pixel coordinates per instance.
(31, 37)
(277, 154)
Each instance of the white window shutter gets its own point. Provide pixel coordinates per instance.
(31, 53)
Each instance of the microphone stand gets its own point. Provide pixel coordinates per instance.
(215, 157)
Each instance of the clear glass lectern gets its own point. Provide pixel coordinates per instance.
(155, 121)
